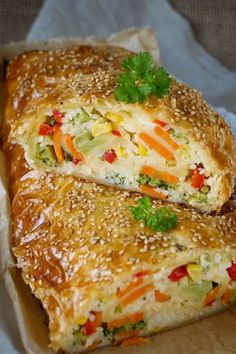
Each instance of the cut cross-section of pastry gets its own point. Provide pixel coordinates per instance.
(174, 148)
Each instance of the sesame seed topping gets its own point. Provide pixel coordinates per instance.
(88, 234)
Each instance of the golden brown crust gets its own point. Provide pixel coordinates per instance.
(70, 234)
(88, 73)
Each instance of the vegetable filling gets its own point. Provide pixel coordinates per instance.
(139, 304)
(117, 148)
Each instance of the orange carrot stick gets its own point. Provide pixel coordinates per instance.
(164, 176)
(135, 295)
(166, 136)
(68, 140)
(161, 297)
(57, 143)
(152, 192)
(227, 295)
(127, 334)
(134, 317)
(120, 337)
(211, 296)
(155, 145)
(130, 287)
(134, 341)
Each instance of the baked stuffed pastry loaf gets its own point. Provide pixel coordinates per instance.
(102, 277)
(175, 148)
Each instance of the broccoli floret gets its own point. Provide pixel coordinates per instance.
(117, 179)
(153, 182)
(45, 154)
(175, 134)
(162, 184)
(125, 328)
(143, 179)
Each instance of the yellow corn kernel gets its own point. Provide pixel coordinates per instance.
(115, 118)
(82, 320)
(101, 128)
(171, 163)
(142, 150)
(108, 299)
(184, 150)
(194, 271)
(121, 152)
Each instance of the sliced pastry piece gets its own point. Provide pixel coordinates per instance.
(104, 278)
(97, 122)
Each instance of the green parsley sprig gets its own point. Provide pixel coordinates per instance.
(141, 79)
(164, 219)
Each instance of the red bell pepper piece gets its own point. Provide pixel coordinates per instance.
(45, 129)
(178, 273)
(110, 156)
(91, 326)
(58, 116)
(116, 132)
(197, 178)
(232, 271)
(160, 122)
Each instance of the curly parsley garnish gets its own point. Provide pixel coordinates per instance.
(140, 79)
(163, 220)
